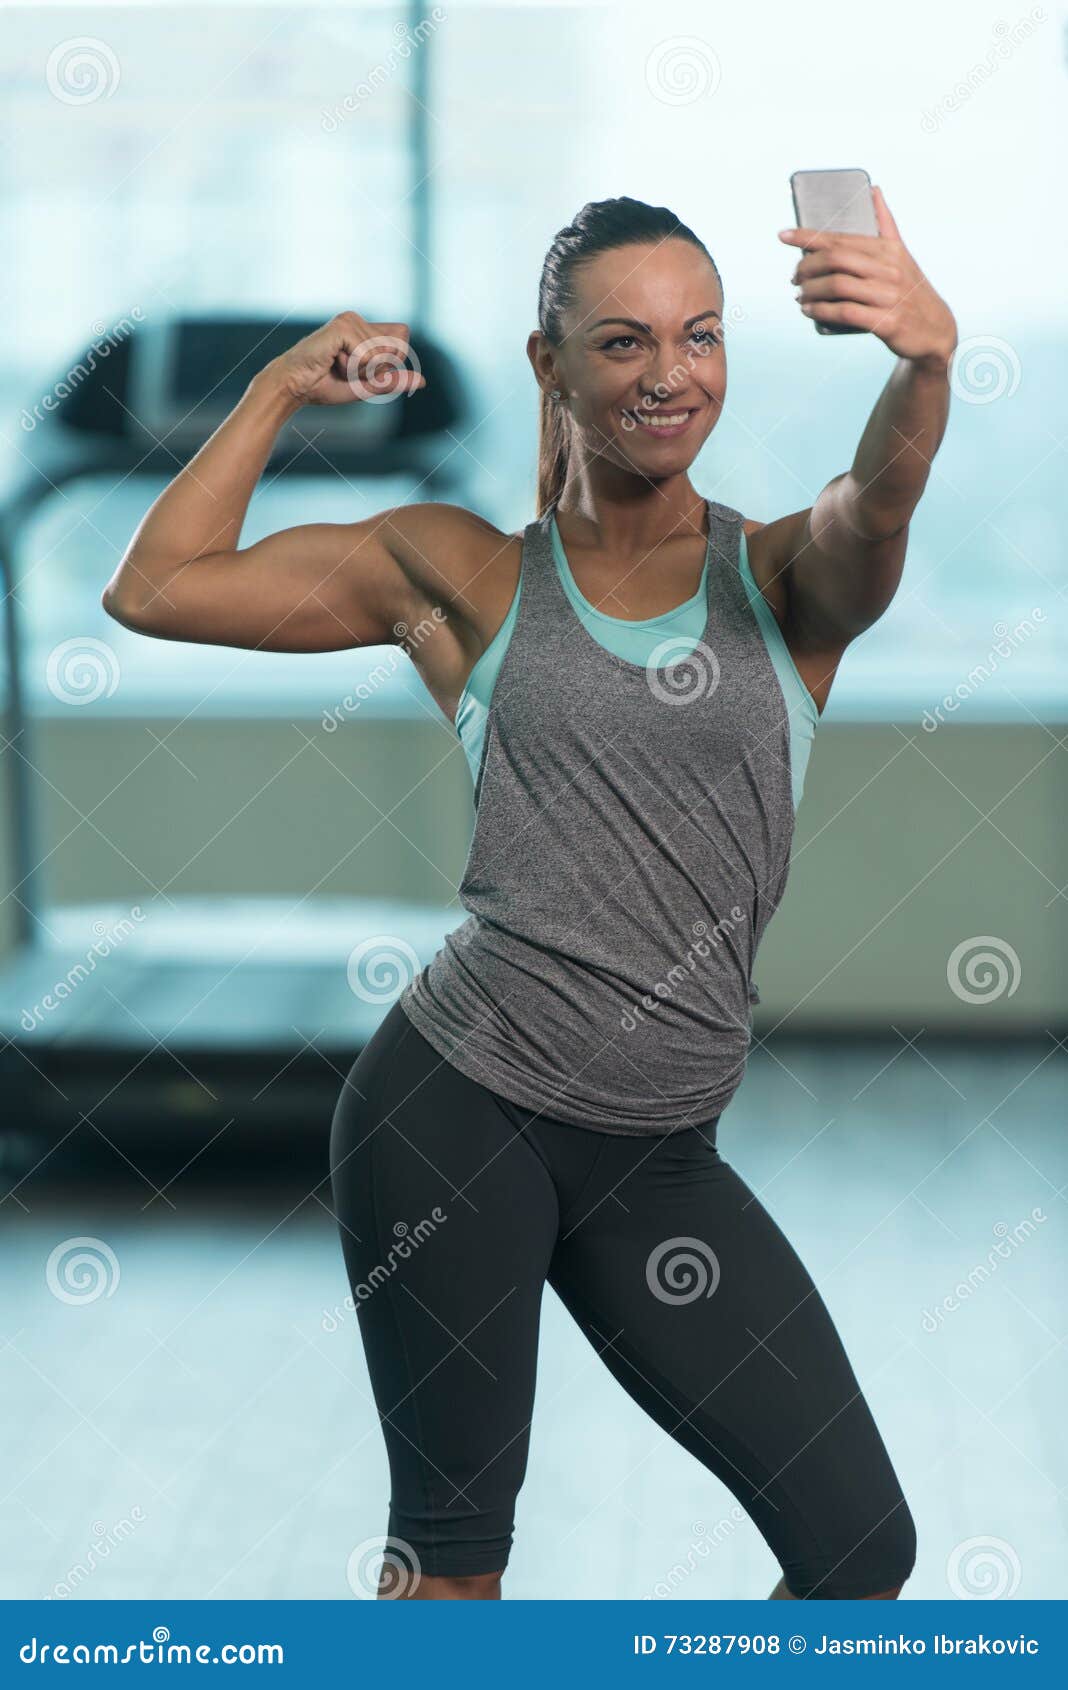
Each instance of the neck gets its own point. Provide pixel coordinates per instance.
(627, 513)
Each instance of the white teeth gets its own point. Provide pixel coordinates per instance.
(661, 422)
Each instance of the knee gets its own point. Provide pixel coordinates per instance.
(895, 1555)
(877, 1566)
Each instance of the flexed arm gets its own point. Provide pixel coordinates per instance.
(319, 587)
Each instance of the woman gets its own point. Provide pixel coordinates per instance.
(636, 679)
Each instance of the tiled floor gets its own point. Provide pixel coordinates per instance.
(206, 1429)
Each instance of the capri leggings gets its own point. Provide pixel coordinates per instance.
(456, 1206)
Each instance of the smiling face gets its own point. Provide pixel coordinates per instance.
(641, 367)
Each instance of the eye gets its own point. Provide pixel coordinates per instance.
(618, 339)
(705, 338)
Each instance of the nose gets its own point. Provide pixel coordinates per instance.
(666, 376)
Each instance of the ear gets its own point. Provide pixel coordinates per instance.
(542, 361)
(886, 223)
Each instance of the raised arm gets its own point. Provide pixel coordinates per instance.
(838, 564)
(318, 587)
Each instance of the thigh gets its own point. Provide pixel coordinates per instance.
(447, 1224)
(704, 1312)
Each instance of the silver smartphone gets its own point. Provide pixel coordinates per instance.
(834, 199)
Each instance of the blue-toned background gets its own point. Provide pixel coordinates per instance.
(902, 1116)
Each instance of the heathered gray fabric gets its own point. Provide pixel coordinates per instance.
(632, 841)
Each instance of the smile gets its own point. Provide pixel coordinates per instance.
(659, 421)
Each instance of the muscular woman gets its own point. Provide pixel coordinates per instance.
(636, 678)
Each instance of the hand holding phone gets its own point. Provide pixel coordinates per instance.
(856, 274)
(836, 200)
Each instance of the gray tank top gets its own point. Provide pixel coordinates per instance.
(632, 841)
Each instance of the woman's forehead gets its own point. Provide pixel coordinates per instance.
(664, 283)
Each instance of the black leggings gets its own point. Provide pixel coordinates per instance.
(456, 1206)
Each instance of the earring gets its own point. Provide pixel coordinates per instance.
(555, 394)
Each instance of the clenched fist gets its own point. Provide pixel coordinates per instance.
(349, 359)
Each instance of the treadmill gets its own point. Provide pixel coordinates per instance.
(180, 1032)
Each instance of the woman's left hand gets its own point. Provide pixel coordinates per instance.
(873, 282)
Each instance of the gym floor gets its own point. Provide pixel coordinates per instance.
(201, 1423)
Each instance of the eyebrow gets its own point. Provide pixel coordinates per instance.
(633, 323)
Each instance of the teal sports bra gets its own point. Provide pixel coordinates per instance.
(635, 642)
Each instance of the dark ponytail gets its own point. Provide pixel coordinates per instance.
(600, 226)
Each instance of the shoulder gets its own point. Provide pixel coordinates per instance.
(768, 550)
(773, 548)
(445, 548)
(458, 561)
(452, 532)
(770, 547)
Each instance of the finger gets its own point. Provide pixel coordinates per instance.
(347, 328)
(394, 382)
(874, 291)
(394, 331)
(378, 348)
(363, 340)
(390, 338)
(887, 226)
(376, 361)
(815, 239)
(844, 259)
(399, 381)
(380, 378)
(848, 311)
